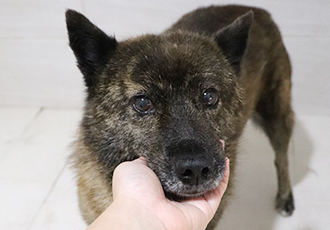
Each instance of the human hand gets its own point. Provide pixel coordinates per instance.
(140, 203)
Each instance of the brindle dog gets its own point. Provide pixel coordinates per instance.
(181, 99)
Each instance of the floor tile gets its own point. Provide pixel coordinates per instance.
(43, 149)
(251, 207)
(19, 203)
(312, 167)
(314, 216)
(252, 204)
(30, 168)
(13, 122)
(61, 210)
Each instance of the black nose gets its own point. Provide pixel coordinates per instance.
(194, 171)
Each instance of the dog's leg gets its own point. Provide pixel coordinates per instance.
(279, 132)
(277, 116)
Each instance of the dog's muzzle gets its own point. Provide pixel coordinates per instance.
(196, 168)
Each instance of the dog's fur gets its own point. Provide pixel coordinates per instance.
(181, 99)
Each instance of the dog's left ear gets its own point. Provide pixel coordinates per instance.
(233, 39)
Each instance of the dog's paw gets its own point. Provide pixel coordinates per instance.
(285, 206)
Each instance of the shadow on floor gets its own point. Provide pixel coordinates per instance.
(252, 205)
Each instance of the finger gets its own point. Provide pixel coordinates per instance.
(131, 167)
(140, 160)
(224, 183)
(213, 198)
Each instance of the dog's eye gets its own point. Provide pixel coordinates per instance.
(143, 105)
(210, 97)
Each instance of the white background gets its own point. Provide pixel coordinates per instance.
(38, 68)
(42, 93)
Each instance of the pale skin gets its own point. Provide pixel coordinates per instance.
(140, 204)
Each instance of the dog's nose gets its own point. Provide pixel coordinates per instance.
(193, 171)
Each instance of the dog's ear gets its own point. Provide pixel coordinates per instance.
(233, 39)
(90, 45)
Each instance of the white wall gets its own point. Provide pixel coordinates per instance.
(37, 68)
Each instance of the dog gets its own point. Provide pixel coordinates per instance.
(181, 99)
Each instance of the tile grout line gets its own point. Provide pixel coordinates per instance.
(28, 126)
(47, 196)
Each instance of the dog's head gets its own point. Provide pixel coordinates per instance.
(173, 98)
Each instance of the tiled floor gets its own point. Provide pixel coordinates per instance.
(38, 75)
(33, 170)
(37, 189)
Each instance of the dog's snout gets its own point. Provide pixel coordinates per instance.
(193, 162)
(193, 171)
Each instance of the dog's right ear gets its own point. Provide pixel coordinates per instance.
(90, 45)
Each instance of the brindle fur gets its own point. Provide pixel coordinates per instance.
(172, 68)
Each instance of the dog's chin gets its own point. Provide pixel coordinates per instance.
(185, 192)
